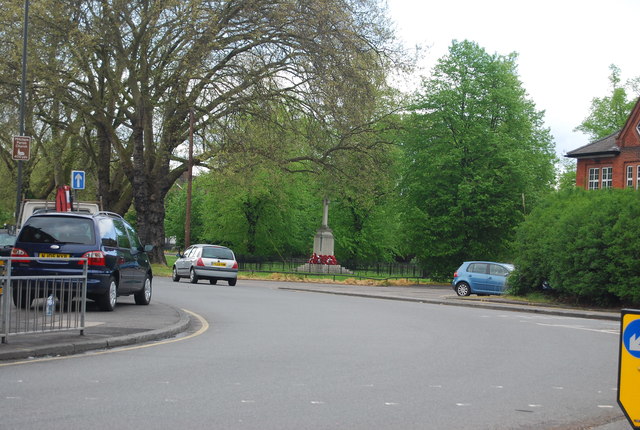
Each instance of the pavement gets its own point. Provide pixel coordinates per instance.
(444, 295)
(129, 324)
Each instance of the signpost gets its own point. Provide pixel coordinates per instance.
(629, 366)
(77, 179)
(21, 148)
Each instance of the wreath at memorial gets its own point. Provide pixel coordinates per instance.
(329, 260)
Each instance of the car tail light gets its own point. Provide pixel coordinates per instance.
(94, 258)
(235, 265)
(199, 262)
(17, 252)
(455, 274)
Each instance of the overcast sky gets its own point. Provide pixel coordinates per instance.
(565, 47)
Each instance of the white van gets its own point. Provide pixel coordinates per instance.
(30, 207)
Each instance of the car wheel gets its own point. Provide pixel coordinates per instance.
(193, 278)
(143, 297)
(213, 281)
(463, 289)
(107, 301)
(175, 275)
(232, 282)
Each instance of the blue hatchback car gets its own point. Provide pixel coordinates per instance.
(481, 277)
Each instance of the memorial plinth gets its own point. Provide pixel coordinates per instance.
(323, 259)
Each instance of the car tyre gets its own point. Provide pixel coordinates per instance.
(174, 274)
(213, 281)
(232, 282)
(107, 301)
(193, 278)
(143, 297)
(463, 289)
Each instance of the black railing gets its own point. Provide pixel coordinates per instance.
(358, 269)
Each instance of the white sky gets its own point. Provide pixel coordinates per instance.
(565, 47)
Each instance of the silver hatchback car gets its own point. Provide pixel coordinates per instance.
(202, 261)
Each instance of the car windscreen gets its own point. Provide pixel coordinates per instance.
(58, 230)
(7, 239)
(221, 253)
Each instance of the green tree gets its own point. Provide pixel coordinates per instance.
(59, 139)
(364, 215)
(475, 150)
(258, 211)
(608, 114)
(131, 71)
(566, 174)
(176, 209)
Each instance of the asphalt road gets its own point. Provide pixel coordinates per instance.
(278, 359)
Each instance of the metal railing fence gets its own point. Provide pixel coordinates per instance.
(39, 304)
(362, 269)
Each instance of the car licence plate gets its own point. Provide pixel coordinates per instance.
(218, 264)
(53, 255)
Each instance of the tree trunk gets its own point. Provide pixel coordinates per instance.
(151, 227)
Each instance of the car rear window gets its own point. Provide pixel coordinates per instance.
(222, 253)
(58, 230)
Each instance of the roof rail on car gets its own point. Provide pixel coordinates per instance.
(110, 214)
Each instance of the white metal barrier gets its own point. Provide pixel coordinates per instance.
(38, 304)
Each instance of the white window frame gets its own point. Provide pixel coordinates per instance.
(629, 176)
(638, 177)
(594, 178)
(607, 177)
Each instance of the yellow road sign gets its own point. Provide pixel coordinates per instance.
(629, 366)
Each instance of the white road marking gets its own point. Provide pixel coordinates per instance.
(578, 327)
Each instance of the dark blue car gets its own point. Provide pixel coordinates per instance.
(117, 262)
(481, 277)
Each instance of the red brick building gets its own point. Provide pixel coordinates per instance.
(611, 162)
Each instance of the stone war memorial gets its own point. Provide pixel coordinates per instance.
(323, 259)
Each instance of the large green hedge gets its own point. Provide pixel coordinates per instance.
(585, 244)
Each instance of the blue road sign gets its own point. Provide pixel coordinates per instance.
(77, 179)
(631, 338)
